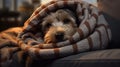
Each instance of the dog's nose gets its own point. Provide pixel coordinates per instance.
(59, 36)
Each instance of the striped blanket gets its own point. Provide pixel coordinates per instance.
(93, 32)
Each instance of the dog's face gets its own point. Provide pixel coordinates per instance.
(58, 26)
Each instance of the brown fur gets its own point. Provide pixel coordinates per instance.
(61, 21)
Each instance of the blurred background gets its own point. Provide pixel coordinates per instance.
(16, 12)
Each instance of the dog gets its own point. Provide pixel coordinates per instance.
(59, 26)
(56, 27)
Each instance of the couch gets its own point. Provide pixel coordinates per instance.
(109, 57)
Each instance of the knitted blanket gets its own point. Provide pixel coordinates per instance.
(93, 32)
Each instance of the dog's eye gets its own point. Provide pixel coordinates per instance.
(66, 21)
(48, 25)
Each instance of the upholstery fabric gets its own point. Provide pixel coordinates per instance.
(100, 58)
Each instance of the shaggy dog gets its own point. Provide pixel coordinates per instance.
(59, 26)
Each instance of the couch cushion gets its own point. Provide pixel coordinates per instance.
(102, 58)
(115, 29)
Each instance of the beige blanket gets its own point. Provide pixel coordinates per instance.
(93, 33)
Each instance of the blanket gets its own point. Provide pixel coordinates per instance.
(93, 33)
